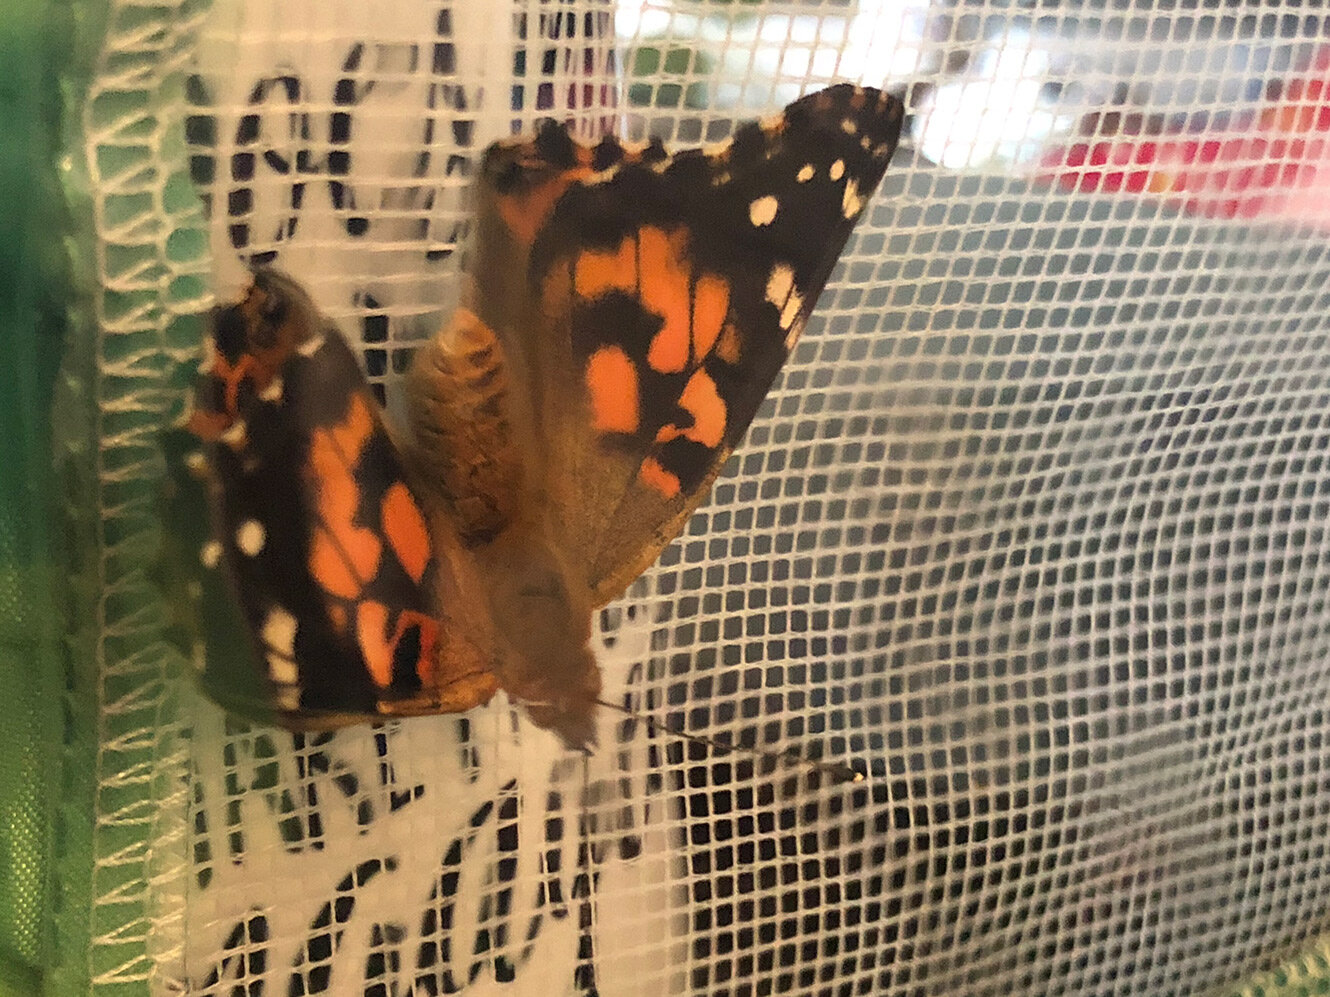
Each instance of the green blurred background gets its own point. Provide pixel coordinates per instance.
(35, 48)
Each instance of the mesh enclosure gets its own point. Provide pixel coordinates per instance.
(1031, 529)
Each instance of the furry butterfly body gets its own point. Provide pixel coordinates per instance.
(629, 310)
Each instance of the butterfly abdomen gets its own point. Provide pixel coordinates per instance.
(462, 428)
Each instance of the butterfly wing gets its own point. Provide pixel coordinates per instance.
(652, 298)
(205, 617)
(326, 548)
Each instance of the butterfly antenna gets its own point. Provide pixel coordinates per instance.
(840, 772)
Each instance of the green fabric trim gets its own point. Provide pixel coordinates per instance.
(124, 708)
(81, 24)
(34, 48)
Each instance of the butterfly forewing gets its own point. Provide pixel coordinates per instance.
(660, 295)
(326, 547)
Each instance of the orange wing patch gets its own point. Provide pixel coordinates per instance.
(343, 556)
(208, 424)
(380, 651)
(653, 265)
(597, 273)
(232, 376)
(404, 526)
(702, 401)
(611, 381)
(664, 287)
(655, 476)
(711, 303)
(371, 627)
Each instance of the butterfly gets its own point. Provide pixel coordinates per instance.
(628, 310)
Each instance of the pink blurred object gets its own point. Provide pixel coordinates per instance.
(1277, 166)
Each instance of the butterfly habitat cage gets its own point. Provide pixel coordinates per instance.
(1028, 531)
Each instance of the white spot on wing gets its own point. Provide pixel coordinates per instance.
(235, 437)
(782, 293)
(806, 173)
(210, 554)
(780, 284)
(793, 304)
(848, 126)
(310, 346)
(837, 169)
(279, 631)
(279, 640)
(273, 392)
(250, 537)
(763, 210)
(851, 203)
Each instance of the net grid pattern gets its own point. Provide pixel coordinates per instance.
(1031, 527)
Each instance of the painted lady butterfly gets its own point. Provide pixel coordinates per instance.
(629, 310)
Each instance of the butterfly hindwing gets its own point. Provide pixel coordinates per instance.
(652, 298)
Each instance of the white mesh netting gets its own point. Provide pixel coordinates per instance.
(1032, 527)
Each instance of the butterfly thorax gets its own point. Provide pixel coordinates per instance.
(466, 446)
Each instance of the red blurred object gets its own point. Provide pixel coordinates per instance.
(1277, 166)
